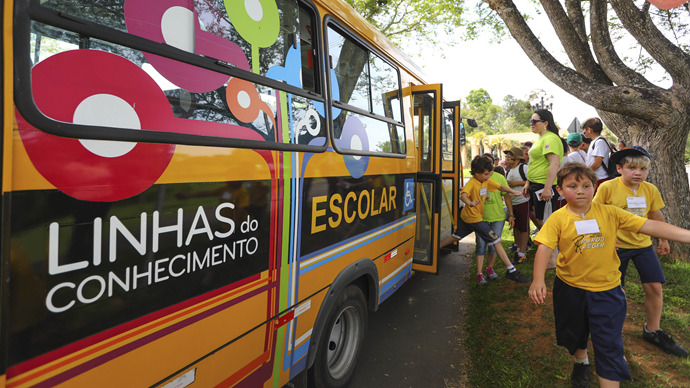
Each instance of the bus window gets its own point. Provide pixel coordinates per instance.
(368, 114)
(447, 132)
(351, 65)
(384, 81)
(309, 60)
(186, 96)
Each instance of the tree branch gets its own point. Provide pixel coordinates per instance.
(606, 54)
(637, 102)
(577, 18)
(392, 19)
(578, 51)
(642, 28)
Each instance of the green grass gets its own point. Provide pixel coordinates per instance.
(511, 342)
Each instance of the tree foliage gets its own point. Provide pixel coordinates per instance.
(510, 117)
(400, 19)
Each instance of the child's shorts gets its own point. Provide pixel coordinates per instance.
(580, 314)
(645, 261)
(481, 229)
(521, 213)
(481, 247)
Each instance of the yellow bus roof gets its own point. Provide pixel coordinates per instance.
(348, 16)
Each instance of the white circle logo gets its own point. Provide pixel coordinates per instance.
(106, 110)
(177, 27)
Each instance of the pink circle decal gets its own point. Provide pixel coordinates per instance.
(60, 84)
(161, 21)
(667, 4)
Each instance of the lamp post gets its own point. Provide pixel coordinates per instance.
(541, 100)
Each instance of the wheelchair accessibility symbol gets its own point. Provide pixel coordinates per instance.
(408, 201)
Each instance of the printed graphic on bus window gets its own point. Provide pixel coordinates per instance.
(184, 98)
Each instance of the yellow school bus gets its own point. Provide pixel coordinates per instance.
(210, 193)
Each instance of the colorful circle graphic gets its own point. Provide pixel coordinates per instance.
(119, 95)
(256, 20)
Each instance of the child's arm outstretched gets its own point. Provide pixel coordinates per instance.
(537, 291)
(509, 190)
(663, 248)
(662, 230)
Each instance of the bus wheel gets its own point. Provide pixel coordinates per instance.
(341, 340)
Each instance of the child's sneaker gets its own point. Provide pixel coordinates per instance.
(579, 378)
(517, 259)
(664, 341)
(481, 279)
(491, 273)
(517, 276)
(513, 248)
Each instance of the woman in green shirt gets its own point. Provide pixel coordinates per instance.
(544, 161)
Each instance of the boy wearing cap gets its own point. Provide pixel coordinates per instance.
(585, 144)
(516, 177)
(632, 193)
(575, 154)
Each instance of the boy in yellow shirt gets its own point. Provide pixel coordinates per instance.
(587, 296)
(630, 192)
(471, 220)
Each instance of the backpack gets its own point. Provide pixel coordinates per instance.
(612, 173)
(521, 170)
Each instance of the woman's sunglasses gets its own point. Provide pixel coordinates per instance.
(533, 121)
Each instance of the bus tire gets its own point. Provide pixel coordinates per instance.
(341, 340)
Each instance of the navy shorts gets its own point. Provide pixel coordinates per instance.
(646, 263)
(580, 314)
(481, 229)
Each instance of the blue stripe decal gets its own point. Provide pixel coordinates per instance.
(392, 290)
(298, 367)
(353, 248)
(389, 284)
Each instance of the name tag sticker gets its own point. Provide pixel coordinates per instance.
(482, 191)
(637, 202)
(586, 227)
(538, 194)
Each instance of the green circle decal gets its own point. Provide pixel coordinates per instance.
(257, 21)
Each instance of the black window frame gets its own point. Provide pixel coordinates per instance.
(330, 21)
(27, 11)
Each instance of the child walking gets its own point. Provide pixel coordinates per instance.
(630, 192)
(495, 216)
(588, 300)
(516, 178)
(471, 220)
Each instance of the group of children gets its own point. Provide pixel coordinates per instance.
(597, 237)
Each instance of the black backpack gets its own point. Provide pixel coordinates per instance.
(521, 171)
(612, 172)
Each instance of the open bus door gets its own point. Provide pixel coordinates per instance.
(452, 138)
(427, 117)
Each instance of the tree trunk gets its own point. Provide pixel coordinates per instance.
(666, 173)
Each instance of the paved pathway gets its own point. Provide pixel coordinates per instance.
(414, 339)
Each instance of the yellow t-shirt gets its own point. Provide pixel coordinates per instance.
(477, 191)
(588, 260)
(616, 193)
